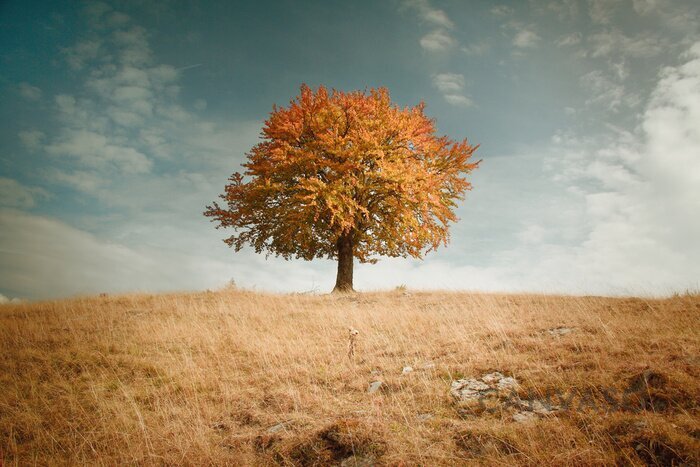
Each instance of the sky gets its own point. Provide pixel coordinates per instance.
(123, 120)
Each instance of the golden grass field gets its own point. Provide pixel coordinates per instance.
(207, 378)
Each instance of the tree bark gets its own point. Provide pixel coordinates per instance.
(343, 282)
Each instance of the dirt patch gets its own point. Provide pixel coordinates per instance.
(654, 451)
(339, 442)
(660, 444)
(653, 391)
(476, 444)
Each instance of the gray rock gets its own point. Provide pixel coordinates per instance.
(277, 428)
(538, 407)
(534, 409)
(560, 331)
(469, 389)
(406, 370)
(374, 386)
(424, 417)
(507, 382)
(491, 384)
(492, 377)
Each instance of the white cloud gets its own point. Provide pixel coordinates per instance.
(525, 38)
(641, 194)
(564, 9)
(82, 52)
(458, 100)
(532, 233)
(451, 86)
(604, 90)
(437, 40)
(31, 139)
(429, 14)
(644, 7)
(502, 10)
(78, 262)
(15, 195)
(97, 151)
(439, 18)
(448, 82)
(4, 300)
(570, 39)
(30, 92)
(200, 104)
(477, 48)
(601, 11)
(614, 42)
(89, 182)
(117, 19)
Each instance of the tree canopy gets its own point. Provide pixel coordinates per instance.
(346, 175)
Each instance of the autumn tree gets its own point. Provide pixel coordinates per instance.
(346, 175)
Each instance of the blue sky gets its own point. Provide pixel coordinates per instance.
(122, 121)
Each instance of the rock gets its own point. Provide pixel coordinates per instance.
(534, 409)
(492, 377)
(507, 383)
(374, 386)
(277, 428)
(560, 331)
(428, 366)
(470, 389)
(406, 370)
(424, 417)
(538, 407)
(375, 372)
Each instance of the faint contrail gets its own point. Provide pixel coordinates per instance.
(188, 67)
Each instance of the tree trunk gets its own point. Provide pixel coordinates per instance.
(343, 282)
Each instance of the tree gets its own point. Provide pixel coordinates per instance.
(343, 176)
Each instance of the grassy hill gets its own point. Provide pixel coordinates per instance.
(252, 379)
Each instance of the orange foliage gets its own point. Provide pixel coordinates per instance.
(336, 164)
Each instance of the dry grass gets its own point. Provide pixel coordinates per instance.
(201, 378)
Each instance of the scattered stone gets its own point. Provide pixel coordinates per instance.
(533, 409)
(560, 331)
(376, 372)
(507, 383)
(428, 366)
(491, 377)
(424, 417)
(469, 389)
(406, 370)
(497, 385)
(538, 407)
(277, 428)
(374, 386)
